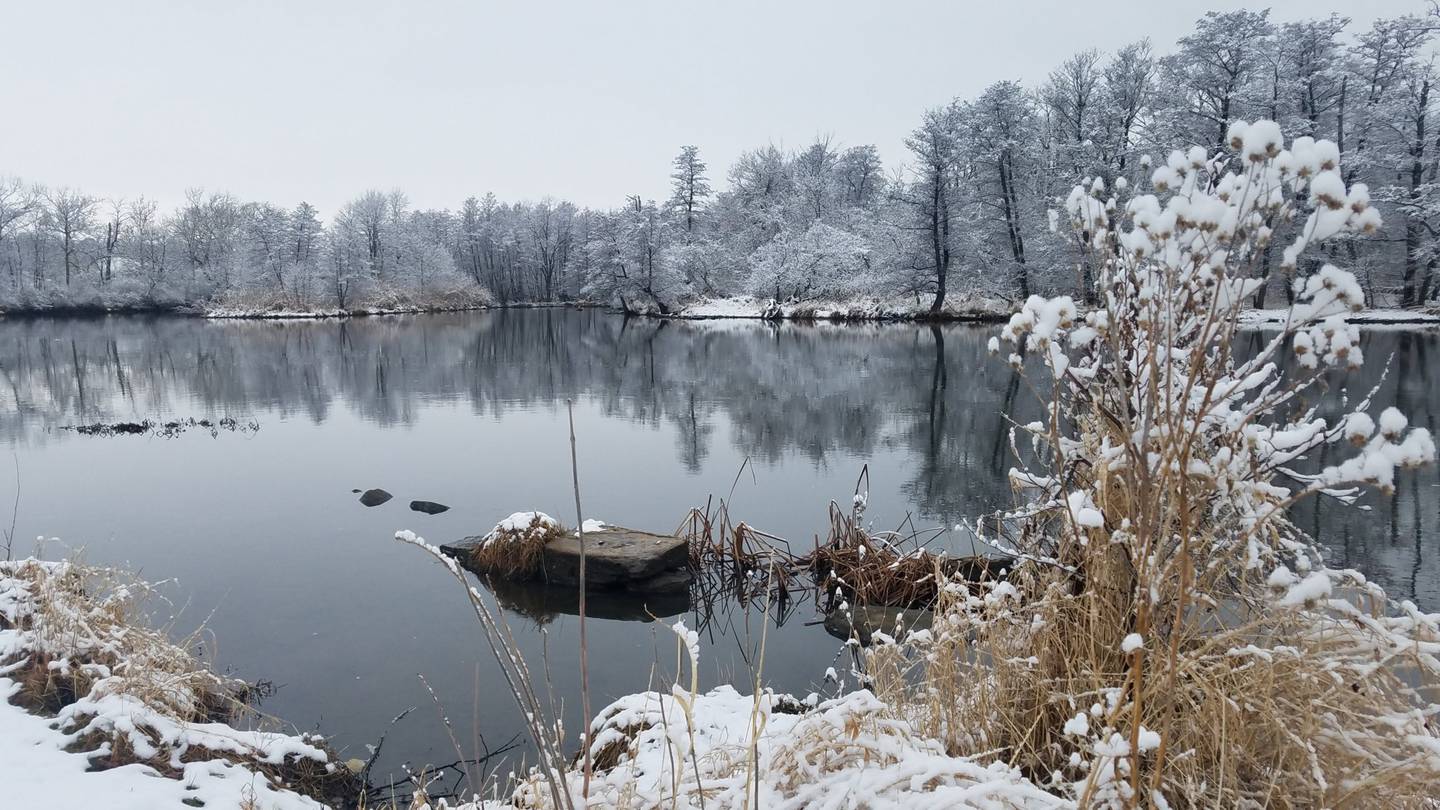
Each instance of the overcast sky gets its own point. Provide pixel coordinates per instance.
(589, 101)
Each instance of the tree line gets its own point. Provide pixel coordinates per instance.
(972, 213)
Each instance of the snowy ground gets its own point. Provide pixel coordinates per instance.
(36, 772)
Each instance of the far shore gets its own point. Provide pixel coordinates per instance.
(722, 310)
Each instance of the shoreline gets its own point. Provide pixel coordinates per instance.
(705, 311)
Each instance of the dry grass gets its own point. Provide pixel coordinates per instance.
(85, 626)
(515, 552)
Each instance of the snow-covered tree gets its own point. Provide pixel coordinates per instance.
(690, 187)
(931, 197)
(820, 262)
(1215, 72)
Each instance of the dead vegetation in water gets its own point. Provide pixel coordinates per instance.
(850, 566)
(165, 430)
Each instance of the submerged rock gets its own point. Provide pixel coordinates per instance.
(428, 507)
(375, 497)
(863, 621)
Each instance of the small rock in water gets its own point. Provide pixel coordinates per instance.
(375, 497)
(428, 507)
(356, 491)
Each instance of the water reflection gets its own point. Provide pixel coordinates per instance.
(543, 603)
(783, 390)
(778, 392)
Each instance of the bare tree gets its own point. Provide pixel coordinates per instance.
(71, 215)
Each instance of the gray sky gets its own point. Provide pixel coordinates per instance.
(319, 100)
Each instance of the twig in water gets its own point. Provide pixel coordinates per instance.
(375, 751)
(14, 512)
(449, 730)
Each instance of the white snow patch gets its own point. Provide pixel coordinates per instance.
(1132, 642)
(1315, 586)
(520, 527)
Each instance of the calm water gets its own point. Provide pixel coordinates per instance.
(301, 585)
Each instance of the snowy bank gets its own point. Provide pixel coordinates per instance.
(1262, 318)
(961, 308)
(242, 313)
(97, 704)
(383, 301)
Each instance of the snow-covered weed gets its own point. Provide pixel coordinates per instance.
(1170, 637)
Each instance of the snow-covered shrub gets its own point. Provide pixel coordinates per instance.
(1170, 637)
(514, 546)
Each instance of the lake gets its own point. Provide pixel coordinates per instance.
(296, 582)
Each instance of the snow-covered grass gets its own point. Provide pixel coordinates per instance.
(99, 704)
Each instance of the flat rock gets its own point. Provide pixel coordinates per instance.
(615, 557)
(375, 497)
(428, 507)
